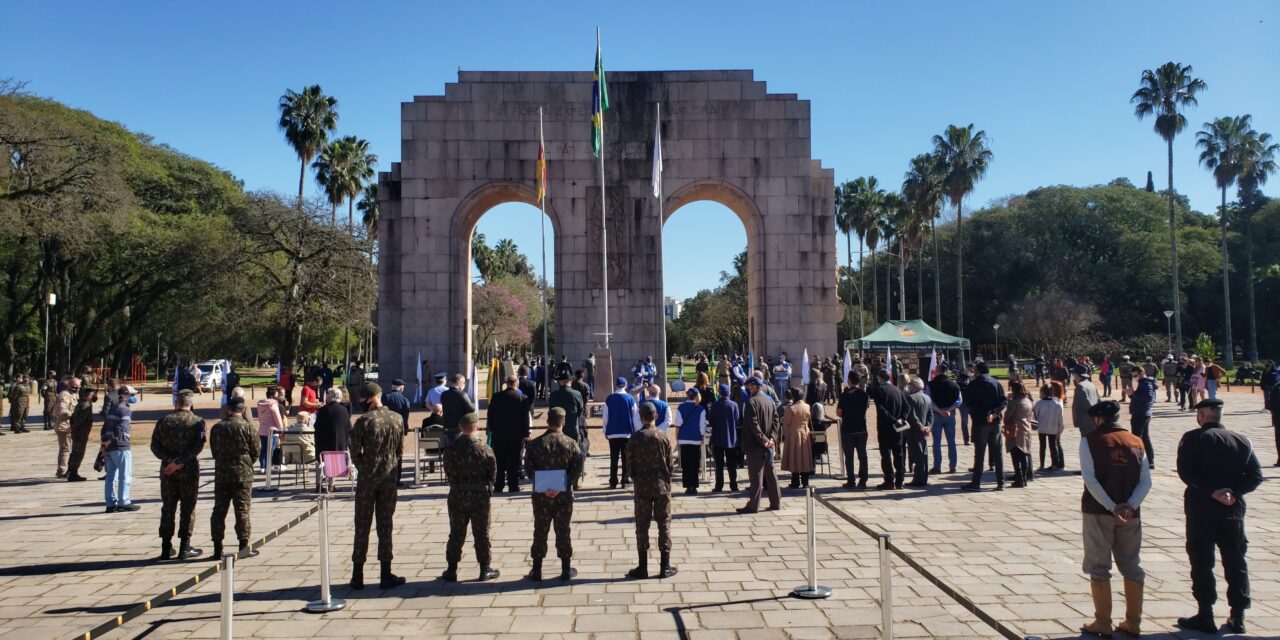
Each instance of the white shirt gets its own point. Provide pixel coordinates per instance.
(704, 427)
(1095, 489)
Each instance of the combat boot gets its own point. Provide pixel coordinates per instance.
(488, 573)
(642, 570)
(186, 551)
(567, 572)
(451, 573)
(166, 550)
(1235, 622)
(357, 577)
(535, 573)
(1101, 625)
(1202, 621)
(217, 550)
(1132, 623)
(389, 580)
(665, 569)
(246, 551)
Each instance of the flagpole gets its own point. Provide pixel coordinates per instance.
(542, 205)
(604, 227)
(662, 316)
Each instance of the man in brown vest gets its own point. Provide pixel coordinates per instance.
(1116, 477)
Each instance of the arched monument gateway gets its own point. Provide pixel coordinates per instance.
(724, 139)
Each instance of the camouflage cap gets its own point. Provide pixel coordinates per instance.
(186, 392)
(235, 404)
(370, 390)
(471, 418)
(556, 411)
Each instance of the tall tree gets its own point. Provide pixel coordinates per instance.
(368, 207)
(359, 170)
(922, 187)
(846, 224)
(1165, 93)
(1257, 163)
(891, 231)
(1220, 143)
(867, 203)
(307, 119)
(330, 175)
(963, 157)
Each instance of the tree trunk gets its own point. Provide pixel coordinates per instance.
(862, 286)
(1173, 256)
(848, 308)
(920, 282)
(1229, 348)
(875, 290)
(302, 176)
(351, 216)
(1248, 287)
(959, 268)
(333, 215)
(937, 276)
(888, 291)
(902, 280)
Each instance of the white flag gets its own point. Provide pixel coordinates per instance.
(848, 366)
(417, 395)
(471, 383)
(888, 364)
(804, 368)
(657, 154)
(933, 364)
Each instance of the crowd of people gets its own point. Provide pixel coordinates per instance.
(752, 417)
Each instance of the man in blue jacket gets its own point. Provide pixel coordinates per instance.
(724, 439)
(621, 418)
(986, 401)
(1141, 401)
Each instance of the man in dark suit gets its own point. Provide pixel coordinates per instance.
(509, 427)
(455, 404)
(891, 407)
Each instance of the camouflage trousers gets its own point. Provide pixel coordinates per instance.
(17, 415)
(179, 488)
(468, 507)
(374, 499)
(240, 495)
(79, 440)
(546, 511)
(653, 508)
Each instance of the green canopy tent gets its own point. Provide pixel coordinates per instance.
(907, 335)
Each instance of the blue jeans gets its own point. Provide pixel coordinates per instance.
(780, 385)
(1212, 386)
(266, 450)
(943, 426)
(964, 422)
(119, 478)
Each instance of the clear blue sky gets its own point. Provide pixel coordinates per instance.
(1049, 82)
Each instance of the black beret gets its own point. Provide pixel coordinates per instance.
(1210, 403)
(1107, 409)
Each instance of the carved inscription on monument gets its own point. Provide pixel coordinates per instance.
(619, 238)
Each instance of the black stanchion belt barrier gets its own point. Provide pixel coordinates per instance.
(960, 598)
(162, 598)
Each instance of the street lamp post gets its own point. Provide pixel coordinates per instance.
(158, 335)
(996, 327)
(1168, 321)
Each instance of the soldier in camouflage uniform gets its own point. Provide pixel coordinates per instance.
(235, 447)
(377, 442)
(177, 441)
(81, 427)
(649, 463)
(472, 469)
(19, 402)
(553, 450)
(49, 390)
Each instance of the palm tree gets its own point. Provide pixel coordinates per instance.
(891, 223)
(922, 186)
(1258, 161)
(307, 118)
(1220, 143)
(868, 205)
(358, 171)
(845, 223)
(963, 158)
(368, 206)
(330, 168)
(1163, 93)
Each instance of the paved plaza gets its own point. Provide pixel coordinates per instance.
(67, 567)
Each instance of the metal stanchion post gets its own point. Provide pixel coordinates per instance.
(886, 589)
(417, 451)
(811, 591)
(228, 588)
(326, 603)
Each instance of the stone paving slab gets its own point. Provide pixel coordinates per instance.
(69, 567)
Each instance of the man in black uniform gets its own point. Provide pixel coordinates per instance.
(1218, 467)
(508, 427)
(892, 406)
(574, 405)
(986, 401)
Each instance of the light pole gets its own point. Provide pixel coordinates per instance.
(1168, 321)
(50, 302)
(158, 335)
(996, 327)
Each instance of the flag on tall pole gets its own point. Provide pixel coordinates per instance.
(933, 364)
(848, 366)
(888, 364)
(471, 384)
(804, 368)
(657, 154)
(417, 395)
(542, 220)
(542, 163)
(599, 104)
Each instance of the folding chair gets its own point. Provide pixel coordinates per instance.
(337, 464)
(298, 459)
(431, 451)
(821, 451)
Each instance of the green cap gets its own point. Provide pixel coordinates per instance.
(471, 418)
(370, 390)
(557, 411)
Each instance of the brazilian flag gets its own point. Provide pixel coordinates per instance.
(599, 102)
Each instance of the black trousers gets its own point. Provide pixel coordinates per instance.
(987, 437)
(918, 451)
(854, 443)
(726, 458)
(508, 454)
(892, 457)
(1203, 535)
(1141, 427)
(617, 457)
(1021, 465)
(690, 459)
(1054, 444)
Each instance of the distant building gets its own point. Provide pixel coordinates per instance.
(672, 308)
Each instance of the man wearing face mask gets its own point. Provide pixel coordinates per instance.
(377, 443)
(64, 404)
(177, 441)
(81, 426)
